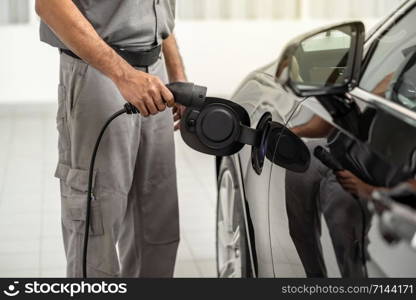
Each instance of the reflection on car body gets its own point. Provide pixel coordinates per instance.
(276, 222)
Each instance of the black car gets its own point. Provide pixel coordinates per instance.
(364, 86)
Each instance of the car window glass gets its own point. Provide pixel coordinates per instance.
(391, 72)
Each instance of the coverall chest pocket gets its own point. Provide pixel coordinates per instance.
(74, 185)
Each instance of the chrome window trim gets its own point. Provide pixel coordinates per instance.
(395, 109)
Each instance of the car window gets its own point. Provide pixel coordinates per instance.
(391, 72)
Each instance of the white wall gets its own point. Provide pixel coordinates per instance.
(28, 69)
(218, 54)
(283, 9)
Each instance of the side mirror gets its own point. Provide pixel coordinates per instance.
(286, 149)
(323, 62)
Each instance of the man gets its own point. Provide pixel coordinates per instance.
(134, 229)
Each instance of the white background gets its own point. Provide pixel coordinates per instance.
(219, 49)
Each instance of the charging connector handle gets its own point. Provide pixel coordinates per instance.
(327, 159)
(188, 94)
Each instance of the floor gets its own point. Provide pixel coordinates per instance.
(30, 236)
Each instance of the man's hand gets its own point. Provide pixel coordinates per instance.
(146, 92)
(178, 112)
(354, 185)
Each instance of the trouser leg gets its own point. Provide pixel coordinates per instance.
(150, 230)
(318, 192)
(302, 197)
(149, 233)
(87, 99)
(344, 217)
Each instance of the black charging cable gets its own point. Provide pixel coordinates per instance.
(128, 109)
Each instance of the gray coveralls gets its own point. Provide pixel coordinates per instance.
(134, 220)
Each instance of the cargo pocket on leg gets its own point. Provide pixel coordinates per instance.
(74, 215)
(73, 209)
(74, 201)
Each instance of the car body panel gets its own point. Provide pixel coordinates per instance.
(265, 195)
(276, 254)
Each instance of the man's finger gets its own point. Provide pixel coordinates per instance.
(157, 99)
(343, 174)
(176, 117)
(151, 107)
(349, 188)
(346, 178)
(347, 181)
(142, 108)
(167, 96)
(161, 106)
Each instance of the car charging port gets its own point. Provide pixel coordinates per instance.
(258, 153)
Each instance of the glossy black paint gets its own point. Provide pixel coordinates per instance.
(286, 149)
(375, 140)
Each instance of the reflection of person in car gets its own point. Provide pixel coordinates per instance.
(317, 192)
(359, 188)
(382, 87)
(401, 82)
(339, 197)
(349, 181)
(294, 68)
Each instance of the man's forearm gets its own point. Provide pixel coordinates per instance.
(68, 23)
(174, 63)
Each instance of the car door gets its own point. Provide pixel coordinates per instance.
(375, 141)
(387, 93)
(265, 101)
(315, 223)
(294, 222)
(264, 182)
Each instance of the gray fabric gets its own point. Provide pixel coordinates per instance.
(129, 24)
(317, 192)
(134, 220)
